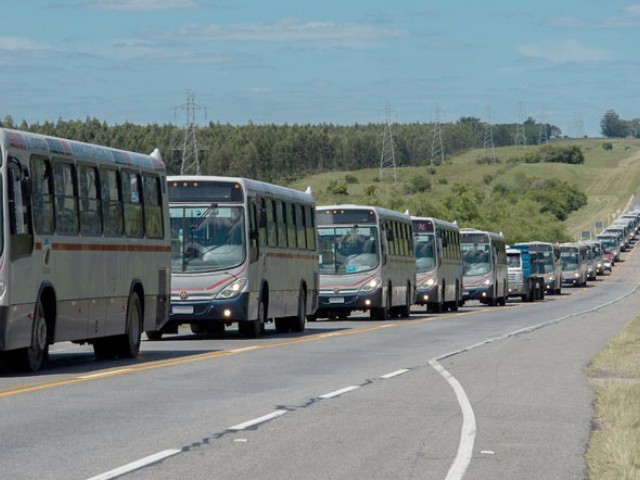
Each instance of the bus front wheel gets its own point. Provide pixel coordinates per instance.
(253, 328)
(34, 357)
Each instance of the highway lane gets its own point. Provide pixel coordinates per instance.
(407, 425)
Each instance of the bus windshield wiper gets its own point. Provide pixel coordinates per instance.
(200, 220)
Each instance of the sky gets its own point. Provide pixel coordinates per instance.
(332, 61)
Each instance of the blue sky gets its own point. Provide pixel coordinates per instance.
(332, 61)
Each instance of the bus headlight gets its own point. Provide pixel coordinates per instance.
(552, 278)
(576, 274)
(371, 285)
(429, 283)
(487, 282)
(233, 289)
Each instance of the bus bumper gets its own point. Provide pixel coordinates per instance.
(426, 295)
(330, 302)
(232, 310)
(477, 293)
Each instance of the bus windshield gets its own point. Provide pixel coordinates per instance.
(475, 259)
(348, 249)
(207, 238)
(546, 259)
(569, 260)
(424, 252)
(513, 260)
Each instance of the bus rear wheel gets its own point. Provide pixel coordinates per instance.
(36, 356)
(128, 345)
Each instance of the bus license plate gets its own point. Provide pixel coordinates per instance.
(182, 309)
(336, 300)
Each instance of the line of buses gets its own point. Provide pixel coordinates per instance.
(98, 245)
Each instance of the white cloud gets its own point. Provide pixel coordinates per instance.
(290, 29)
(566, 51)
(141, 5)
(20, 44)
(628, 18)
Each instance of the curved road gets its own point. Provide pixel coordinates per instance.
(353, 399)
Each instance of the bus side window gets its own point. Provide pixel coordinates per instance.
(131, 201)
(152, 200)
(253, 231)
(262, 222)
(19, 213)
(90, 211)
(291, 225)
(42, 195)
(300, 226)
(66, 198)
(310, 227)
(272, 225)
(111, 202)
(281, 220)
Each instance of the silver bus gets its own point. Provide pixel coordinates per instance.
(484, 261)
(439, 264)
(243, 252)
(366, 261)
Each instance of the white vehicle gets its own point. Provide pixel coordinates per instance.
(85, 247)
(484, 260)
(366, 261)
(242, 251)
(438, 255)
(574, 264)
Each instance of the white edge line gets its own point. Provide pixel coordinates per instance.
(106, 374)
(467, 435)
(395, 374)
(244, 349)
(257, 421)
(339, 392)
(138, 464)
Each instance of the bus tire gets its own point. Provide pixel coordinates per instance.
(197, 328)
(455, 304)
(405, 311)
(128, 345)
(299, 322)
(154, 335)
(253, 328)
(382, 313)
(35, 356)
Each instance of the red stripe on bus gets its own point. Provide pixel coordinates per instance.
(212, 286)
(96, 247)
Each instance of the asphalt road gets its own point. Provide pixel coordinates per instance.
(347, 399)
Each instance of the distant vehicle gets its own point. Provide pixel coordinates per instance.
(612, 243)
(523, 266)
(598, 252)
(484, 261)
(243, 252)
(439, 263)
(609, 251)
(623, 235)
(574, 264)
(85, 253)
(550, 266)
(366, 261)
(591, 260)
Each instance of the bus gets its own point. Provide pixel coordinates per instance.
(484, 263)
(549, 264)
(438, 255)
(574, 264)
(243, 251)
(84, 247)
(366, 261)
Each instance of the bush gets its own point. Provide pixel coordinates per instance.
(607, 146)
(337, 189)
(351, 179)
(418, 184)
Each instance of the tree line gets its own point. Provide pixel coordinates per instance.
(281, 153)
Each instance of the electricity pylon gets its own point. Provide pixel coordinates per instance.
(520, 139)
(437, 148)
(489, 150)
(190, 152)
(388, 157)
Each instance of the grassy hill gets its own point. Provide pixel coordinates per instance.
(609, 178)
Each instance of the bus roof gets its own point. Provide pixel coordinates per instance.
(438, 222)
(380, 212)
(492, 235)
(72, 149)
(250, 185)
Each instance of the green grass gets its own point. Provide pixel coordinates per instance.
(608, 177)
(614, 446)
